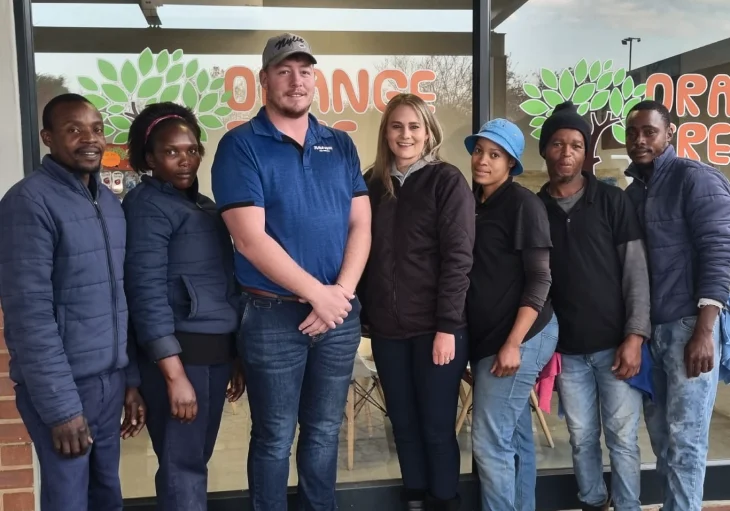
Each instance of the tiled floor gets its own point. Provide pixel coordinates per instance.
(375, 457)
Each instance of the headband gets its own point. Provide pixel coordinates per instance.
(158, 121)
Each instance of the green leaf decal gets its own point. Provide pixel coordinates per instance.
(120, 122)
(217, 84)
(629, 105)
(536, 133)
(208, 102)
(534, 107)
(150, 87)
(616, 102)
(595, 71)
(170, 93)
(567, 84)
(549, 78)
(639, 91)
(552, 98)
(190, 96)
(211, 122)
(619, 77)
(115, 109)
(619, 133)
(145, 62)
(628, 87)
(226, 96)
(607, 65)
(584, 93)
(108, 130)
(163, 60)
(531, 90)
(604, 81)
(96, 100)
(107, 70)
(177, 55)
(115, 93)
(129, 76)
(600, 100)
(583, 109)
(174, 73)
(203, 80)
(88, 84)
(152, 101)
(191, 68)
(203, 133)
(121, 138)
(581, 71)
(537, 122)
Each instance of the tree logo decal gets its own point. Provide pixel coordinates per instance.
(607, 94)
(122, 93)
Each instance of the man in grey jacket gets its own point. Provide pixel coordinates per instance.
(684, 206)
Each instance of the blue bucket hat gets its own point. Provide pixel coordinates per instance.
(505, 134)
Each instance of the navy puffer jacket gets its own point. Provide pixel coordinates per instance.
(685, 212)
(179, 267)
(61, 287)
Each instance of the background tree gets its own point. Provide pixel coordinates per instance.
(122, 93)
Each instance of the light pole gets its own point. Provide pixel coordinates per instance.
(630, 42)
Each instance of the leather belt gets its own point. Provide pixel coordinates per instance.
(267, 294)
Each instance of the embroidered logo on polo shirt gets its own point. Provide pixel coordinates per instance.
(323, 148)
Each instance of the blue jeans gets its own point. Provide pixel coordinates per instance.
(421, 398)
(293, 377)
(679, 419)
(502, 439)
(590, 395)
(183, 450)
(89, 482)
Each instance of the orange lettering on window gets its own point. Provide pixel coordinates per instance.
(689, 135)
(358, 102)
(419, 77)
(720, 87)
(249, 88)
(717, 152)
(320, 85)
(688, 86)
(380, 90)
(665, 82)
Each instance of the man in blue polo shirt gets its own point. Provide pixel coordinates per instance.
(293, 197)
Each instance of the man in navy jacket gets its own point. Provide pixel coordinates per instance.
(684, 206)
(61, 271)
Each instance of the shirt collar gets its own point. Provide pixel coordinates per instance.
(263, 126)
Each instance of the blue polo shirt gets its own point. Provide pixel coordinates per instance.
(306, 192)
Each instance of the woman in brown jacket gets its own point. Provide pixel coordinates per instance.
(414, 293)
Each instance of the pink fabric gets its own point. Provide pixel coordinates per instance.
(546, 382)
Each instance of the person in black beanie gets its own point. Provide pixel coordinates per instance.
(600, 294)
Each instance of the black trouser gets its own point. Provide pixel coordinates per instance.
(421, 399)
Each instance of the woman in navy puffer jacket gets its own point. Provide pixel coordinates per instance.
(182, 301)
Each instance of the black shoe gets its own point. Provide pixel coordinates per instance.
(413, 500)
(602, 507)
(434, 504)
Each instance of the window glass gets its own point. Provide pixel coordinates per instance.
(105, 52)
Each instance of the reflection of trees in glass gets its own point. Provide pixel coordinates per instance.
(123, 93)
(48, 87)
(595, 88)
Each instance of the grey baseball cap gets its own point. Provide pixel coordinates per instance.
(283, 46)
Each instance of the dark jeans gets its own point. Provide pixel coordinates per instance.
(292, 377)
(421, 399)
(183, 450)
(90, 482)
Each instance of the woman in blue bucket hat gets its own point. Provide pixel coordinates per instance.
(512, 331)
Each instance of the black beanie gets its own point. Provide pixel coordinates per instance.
(564, 116)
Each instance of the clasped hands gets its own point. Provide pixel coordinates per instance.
(330, 306)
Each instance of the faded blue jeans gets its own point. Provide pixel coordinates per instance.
(502, 439)
(290, 378)
(679, 419)
(591, 395)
